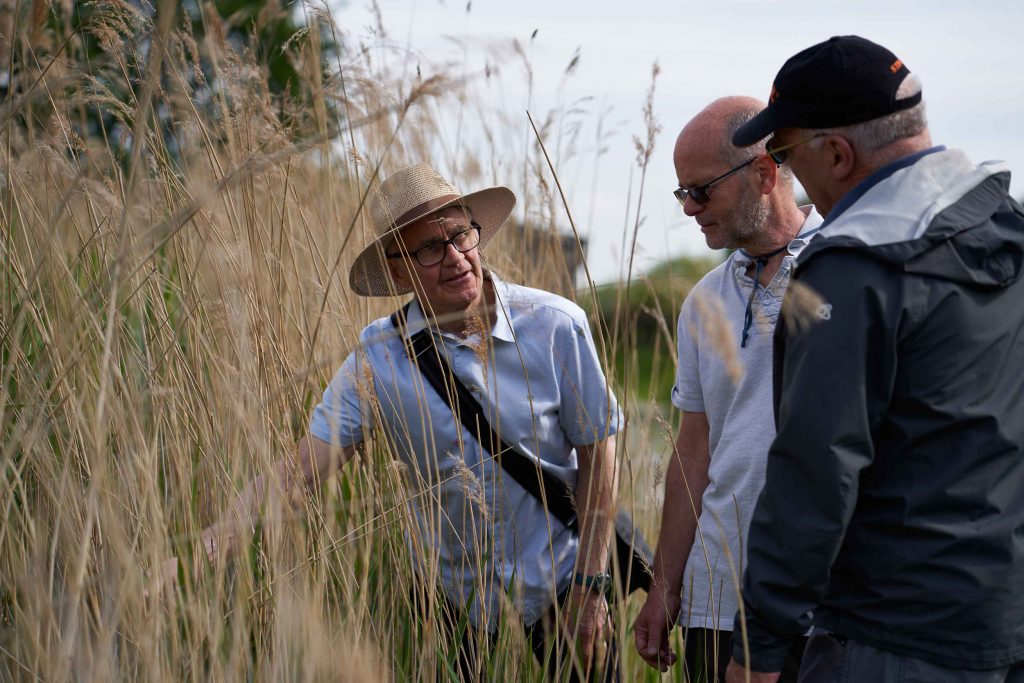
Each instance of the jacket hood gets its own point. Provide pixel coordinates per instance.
(940, 216)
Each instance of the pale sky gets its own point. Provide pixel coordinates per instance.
(970, 58)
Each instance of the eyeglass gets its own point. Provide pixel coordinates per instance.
(778, 154)
(434, 253)
(702, 193)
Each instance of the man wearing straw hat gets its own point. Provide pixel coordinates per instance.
(528, 358)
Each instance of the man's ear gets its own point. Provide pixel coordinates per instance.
(399, 269)
(842, 158)
(767, 174)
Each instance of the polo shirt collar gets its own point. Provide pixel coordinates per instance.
(810, 227)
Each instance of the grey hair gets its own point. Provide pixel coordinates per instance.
(869, 136)
(733, 155)
(730, 153)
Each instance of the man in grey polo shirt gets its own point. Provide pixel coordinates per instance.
(742, 201)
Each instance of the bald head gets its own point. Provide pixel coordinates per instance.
(748, 200)
(710, 131)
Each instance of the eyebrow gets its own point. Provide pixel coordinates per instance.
(693, 185)
(459, 227)
(687, 187)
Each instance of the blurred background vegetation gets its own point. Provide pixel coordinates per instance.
(180, 199)
(646, 310)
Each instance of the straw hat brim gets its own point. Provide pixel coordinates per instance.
(369, 274)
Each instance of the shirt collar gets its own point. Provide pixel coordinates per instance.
(415, 320)
(502, 321)
(810, 227)
(858, 190)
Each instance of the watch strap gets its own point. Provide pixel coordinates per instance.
(599, 583)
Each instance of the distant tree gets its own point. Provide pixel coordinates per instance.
(655, 297)
(86, 62)
(640, 323)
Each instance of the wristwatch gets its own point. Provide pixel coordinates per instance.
(599, 583)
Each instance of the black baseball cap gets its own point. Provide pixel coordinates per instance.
(842, 81)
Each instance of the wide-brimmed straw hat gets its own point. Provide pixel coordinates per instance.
(406, 196)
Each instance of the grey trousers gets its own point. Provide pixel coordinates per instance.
(829, 659)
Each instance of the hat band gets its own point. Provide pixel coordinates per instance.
(423, 209)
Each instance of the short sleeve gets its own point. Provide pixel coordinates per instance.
(687, 393)
(588, 411)
(342, 414)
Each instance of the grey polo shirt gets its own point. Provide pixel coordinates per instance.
(733, 386)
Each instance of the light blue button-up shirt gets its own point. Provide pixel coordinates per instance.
(542, 387)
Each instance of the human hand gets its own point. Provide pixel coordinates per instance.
(214, 543)
(585, 621)
(164, 579)
(737, 673)
(653, 627)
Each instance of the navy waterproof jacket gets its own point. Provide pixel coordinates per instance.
(893, 506)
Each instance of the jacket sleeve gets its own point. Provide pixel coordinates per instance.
(836, 380)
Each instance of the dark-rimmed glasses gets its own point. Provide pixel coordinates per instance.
(433, 253)
(778, 154)
(702, 193)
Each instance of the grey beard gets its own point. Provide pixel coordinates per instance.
(751, 221)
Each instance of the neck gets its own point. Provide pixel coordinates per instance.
(870, 162)
(769, 252)
(477, 318)
(783, 226)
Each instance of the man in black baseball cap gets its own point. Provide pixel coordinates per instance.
(892, 515)
(842, 81)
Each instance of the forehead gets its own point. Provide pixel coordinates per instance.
(697, 160)
(440, 224)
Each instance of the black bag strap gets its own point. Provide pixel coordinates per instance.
(553, 493)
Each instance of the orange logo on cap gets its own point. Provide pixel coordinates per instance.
(774, 96)
(896, 66)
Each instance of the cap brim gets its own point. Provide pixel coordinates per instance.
(757, 128)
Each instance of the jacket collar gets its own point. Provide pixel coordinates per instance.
(861, 188)
(916, 189)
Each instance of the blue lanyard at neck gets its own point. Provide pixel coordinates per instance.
(760, 261)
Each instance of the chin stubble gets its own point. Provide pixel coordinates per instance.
(750, 219)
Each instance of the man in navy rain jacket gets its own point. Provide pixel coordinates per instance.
(892, 516)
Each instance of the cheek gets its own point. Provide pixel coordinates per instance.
(398, 272)
(474, 258)
(802, 176)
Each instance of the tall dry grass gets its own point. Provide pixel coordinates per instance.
(169, 318)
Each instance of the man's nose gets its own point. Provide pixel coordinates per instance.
(691, 207)
(456, 254)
